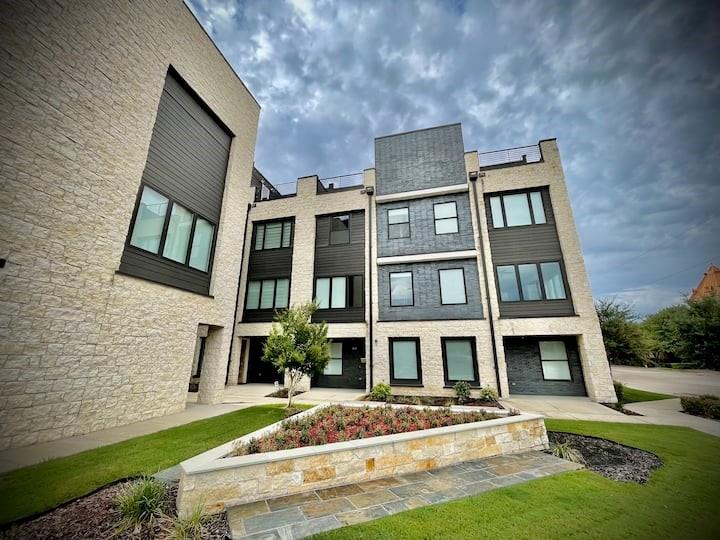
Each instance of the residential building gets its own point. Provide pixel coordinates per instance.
(709, 284)
(434, 266)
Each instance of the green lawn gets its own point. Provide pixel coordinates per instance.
(680, 501)
(633, 395)
(33, 489)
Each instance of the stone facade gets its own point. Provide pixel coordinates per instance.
(83, 347)
(218, 482)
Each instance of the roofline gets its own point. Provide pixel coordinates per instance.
(417, 130)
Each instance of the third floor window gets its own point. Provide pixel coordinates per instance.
(398, 223)
(527, 282)
(273, 235)
(446, 221)
(517, 209)
(339, 292)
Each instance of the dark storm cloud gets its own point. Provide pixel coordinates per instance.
(630, 89)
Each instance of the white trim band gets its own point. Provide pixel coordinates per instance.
(426, 257)
(421, 193)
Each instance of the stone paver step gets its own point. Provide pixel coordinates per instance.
(304, 514)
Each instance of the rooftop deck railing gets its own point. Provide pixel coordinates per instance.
(341, 182)
(521, 154)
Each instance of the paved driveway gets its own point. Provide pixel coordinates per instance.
(669, 381)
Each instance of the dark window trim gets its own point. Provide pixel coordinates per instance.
(163, 234)
(390, 224)
(247, 290)
(501, 195)
(436, 219)
(518, 283)
(567, 359)
(412, 288)
(349, 228)
(473, 345)
(342, 359)
(462, 269)
(282, 221)
(201, 357)
(348, 291)
(418, 356)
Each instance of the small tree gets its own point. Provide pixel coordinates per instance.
(625, 340)
(297, 346)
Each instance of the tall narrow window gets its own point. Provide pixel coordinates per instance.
(537, 207)
(322, 292)
(267, 296)
(334, 366)
(340, 229)
(337, 299)
(553, 281)
(401, 289)
(529, 282)
(508, 284)
(405, 361)
(459, 360)
(452, 286)
(286, 233)
(273, 235)
(178, 234)
(259, 237)
(553, 356)
(445, 218)
(282, 293)
(201, 245)
(497, 213)
(253, 295)
(149, 220)
(358, 292)
(398, 223)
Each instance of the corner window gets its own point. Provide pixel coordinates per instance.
(398, 223)
(339, 292)
(553, 356)
(529, 282)
(517, 209)
(405, 361)
(553, 281)
(445, 218)
(182, 237)
(401, 289)
(268, 294)
(340, 229)
(273, 235)
(459, 360)
(334, 366)
(452, 286)
(507, 282)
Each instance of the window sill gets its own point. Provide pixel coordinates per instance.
(473, 385)
(407, 384)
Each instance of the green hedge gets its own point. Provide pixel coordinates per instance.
(705, 405)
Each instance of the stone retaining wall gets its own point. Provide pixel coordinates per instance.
(216, 482)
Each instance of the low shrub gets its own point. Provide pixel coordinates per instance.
(189, 527)
(141, 501)
(706, 405)
(567, 452)
(462, 391)
(381, 392)
(488, 394)
(619, 392)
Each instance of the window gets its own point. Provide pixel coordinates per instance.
(182, 237)
(268, 294)
(452, 286)
(405, 361)
(445, 218)
(459, 360)
(398, 223)
(553, 356)
(339, 292)
(273, 235)
(401, 289)
(531, 286)
(340, 229)
(334, 366)
(517, 209)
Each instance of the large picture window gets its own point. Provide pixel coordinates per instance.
(339, 292)
(268, 294)
(553, 356)
(273, 235)
(182, 236)
(517, 209)
(401, 289)
(446, 221)
(398, 223)
(459, 360)
(530, 282)
(405, 361)
(452, 286)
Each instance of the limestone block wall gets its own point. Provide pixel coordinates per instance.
(82, 347)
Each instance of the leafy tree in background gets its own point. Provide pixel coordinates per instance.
(664, 330)
(296, 346)
(625, 340)
(700, 332)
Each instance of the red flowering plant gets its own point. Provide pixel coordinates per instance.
(338, 423)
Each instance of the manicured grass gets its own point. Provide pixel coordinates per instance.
(680, 501)
(33, 489)
(633, 395)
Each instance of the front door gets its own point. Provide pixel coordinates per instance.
(260, 371)
(346, 368)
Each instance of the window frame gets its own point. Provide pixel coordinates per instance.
(330, 229)
(462, 269)
(407, 208)
(531, 211)
(567, 360)
(342, 350)
(412, 288)
(449, 383)
(349, 289)
(163, 235)
(518, 283)
(418, 358)
(436, 219)
(257, 224)
(261, 280)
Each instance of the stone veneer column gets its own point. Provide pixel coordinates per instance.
(212, 379)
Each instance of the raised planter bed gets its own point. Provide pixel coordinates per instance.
(216, 480)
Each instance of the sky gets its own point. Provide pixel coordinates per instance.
(630, 89)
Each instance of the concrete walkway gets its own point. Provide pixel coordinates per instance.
(568, 408)
(677, 382)
(669, 411)
(304, 514)
(256, 393)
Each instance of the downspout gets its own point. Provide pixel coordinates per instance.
(237, 296)
(473, 176)
(369, 190)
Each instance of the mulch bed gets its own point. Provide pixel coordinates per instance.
(619, 408)
(438, 401)
(96, 517)
(610, 459)
(283, 393)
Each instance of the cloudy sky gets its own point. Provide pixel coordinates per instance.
(630, 89)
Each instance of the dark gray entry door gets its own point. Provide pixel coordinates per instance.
(353, 370)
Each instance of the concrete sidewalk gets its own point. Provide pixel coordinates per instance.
(669, 411)
(569, 408)
(676, 382)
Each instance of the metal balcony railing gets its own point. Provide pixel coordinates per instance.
(521, 154)
(341, 182)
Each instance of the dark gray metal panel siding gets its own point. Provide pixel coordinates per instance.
(353, 371)
(422, 227)
(340, 259)
(187, 160)
(426, 291)
(270, 263)
(529, 244)
(524, 369)
(420, 160)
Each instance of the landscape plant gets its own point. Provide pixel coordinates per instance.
(488, 393)
(141, 502)
(462, 391)
(381, 392)
(296, 346)
(705, 405)
(565, 451)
